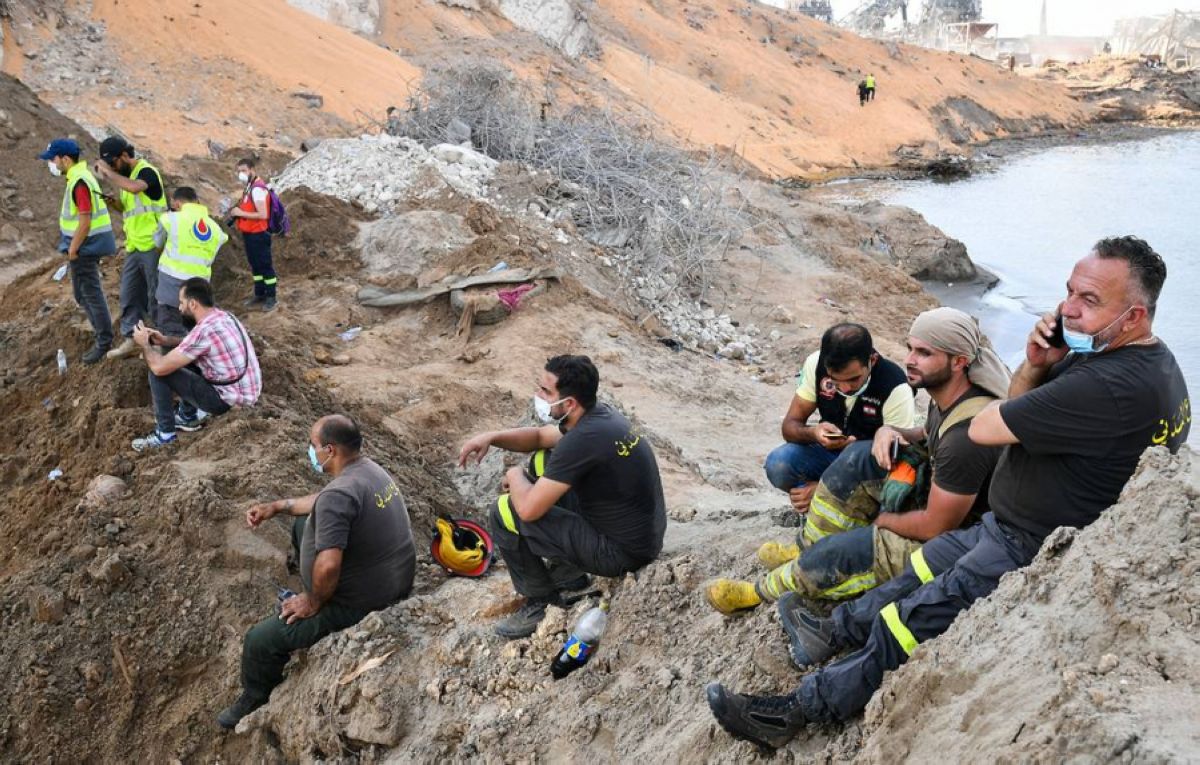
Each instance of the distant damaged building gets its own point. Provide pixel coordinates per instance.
(1173, 38)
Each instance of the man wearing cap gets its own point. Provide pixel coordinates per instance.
(142, 200)
(86, 237)
(870, 491)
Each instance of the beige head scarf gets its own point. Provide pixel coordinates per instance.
(954, 332)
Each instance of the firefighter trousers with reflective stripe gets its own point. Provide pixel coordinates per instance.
(892, 619)
(560, 535)
(842, 566)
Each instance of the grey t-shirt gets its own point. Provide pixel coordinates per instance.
(362, 513)
(611, 469)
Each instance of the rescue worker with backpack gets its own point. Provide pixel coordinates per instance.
(872, 488)
(142, 198)
(252, 216)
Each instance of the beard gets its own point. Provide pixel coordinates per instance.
(933, 379)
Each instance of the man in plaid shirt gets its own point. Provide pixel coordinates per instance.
(212, 369)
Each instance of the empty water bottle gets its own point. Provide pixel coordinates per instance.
(62, 361)
(582, 643)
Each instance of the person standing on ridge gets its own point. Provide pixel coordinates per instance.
(252, 216)
(870, 83)
(142, 200)
(85, 235)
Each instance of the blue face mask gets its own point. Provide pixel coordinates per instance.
(312, 459)
(1081, 342)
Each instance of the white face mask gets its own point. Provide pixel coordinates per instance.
(542, 407)
(53, 168)
(244, 177)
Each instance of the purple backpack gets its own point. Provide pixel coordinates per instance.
(278, 224)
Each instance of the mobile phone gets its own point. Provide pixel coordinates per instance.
(1056, 339)
(895, 449)
(837, 436)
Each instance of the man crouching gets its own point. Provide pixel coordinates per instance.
(593, 505)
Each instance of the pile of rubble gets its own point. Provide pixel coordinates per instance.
(379, 172)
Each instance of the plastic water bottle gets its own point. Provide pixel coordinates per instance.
(62, 361)
(582, 643)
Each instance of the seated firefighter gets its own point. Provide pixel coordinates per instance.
(213, 368)
(855, 391)
(1081, 411)
(947, 358)
(354, 545)
(595, 504)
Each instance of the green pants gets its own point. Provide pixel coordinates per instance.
(269, 644)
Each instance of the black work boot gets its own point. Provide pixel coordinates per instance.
(525, 621)
(95, 353)
(568, 577)
(811, 637)
(769, 721)
(232, 714)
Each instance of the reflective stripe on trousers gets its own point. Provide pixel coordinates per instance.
(904, 638)
(506, 514)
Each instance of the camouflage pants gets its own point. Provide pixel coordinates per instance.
(842, 553)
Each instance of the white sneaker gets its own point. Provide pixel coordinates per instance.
(126, 349)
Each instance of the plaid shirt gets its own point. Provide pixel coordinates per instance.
(221, 349)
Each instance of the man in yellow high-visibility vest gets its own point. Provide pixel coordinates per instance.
(189, 240)
(85, 230)
(142, 199)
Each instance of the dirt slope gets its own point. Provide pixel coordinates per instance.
(776, 88)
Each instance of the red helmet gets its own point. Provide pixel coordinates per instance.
(462, 547)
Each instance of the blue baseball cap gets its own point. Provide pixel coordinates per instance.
(60, 147)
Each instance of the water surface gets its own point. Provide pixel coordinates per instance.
(1040, 212)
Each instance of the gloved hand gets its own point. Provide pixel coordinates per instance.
(900, 482)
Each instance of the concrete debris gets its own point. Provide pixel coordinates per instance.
(381, 172)
(559, 22)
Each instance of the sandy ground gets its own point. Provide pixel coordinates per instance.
(123, 604)
(775, 88)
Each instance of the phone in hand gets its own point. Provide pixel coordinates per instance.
(895, 450)
(836, 436)
(1056, 339)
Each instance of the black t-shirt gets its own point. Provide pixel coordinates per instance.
(1082, 432)
(612, 471)
(154, 188)
(961, 466)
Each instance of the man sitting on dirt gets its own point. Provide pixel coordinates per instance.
(870, 490)
(855, 390)
(601, 467)
(1080, 413)
(354, 544)
(214, 367)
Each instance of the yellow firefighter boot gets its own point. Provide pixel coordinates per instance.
(730, 596)
(775, 554)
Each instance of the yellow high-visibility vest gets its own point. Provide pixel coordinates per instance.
(193, 239)
(140, 219)
(68, 217)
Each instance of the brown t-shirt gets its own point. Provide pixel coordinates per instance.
(961, 466)
(362, 513)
